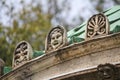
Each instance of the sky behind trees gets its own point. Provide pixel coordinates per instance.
(31, 20)
(65, 12)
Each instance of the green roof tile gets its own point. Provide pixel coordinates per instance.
(113, 15)
(6, 69)
(37, 53)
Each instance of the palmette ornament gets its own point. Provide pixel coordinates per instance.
(97, 25)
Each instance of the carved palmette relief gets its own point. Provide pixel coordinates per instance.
(56, 39)
(23, 53)
(97, 25)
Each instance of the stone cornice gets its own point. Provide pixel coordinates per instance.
(65, 54)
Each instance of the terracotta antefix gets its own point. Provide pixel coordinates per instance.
(56, 39)
(97, 26)
(23, 53)
(108, 72)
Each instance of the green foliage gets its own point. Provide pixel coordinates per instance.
(31, 29)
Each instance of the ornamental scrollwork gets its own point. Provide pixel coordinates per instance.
(23, 53)
(97, 25)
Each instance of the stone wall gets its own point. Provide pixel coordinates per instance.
(1, 66)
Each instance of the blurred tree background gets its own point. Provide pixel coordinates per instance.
(31, 20)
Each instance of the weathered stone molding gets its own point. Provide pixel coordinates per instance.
(89, 47)
(89, 73)
(2, 63)
(76, 56)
